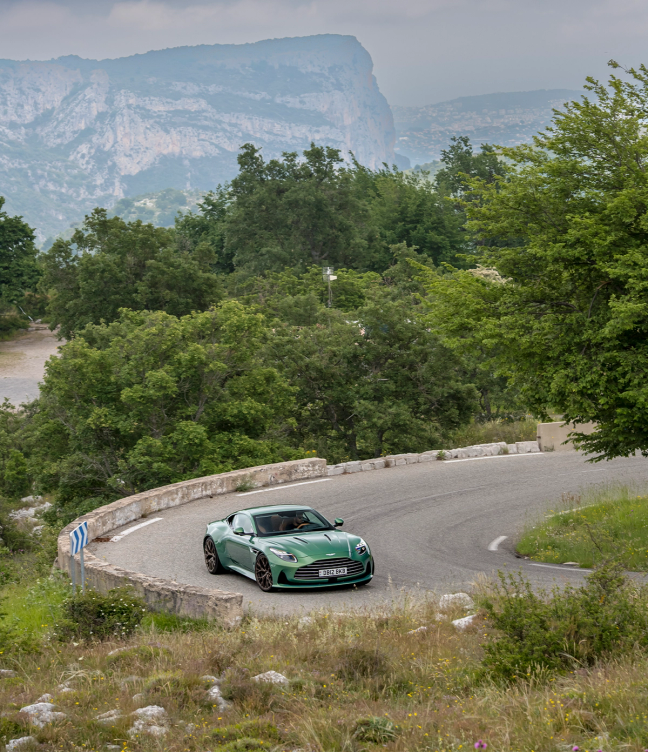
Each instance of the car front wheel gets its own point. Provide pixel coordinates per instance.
(212, 561)
(263, 573)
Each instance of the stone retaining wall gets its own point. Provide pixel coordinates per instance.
(554, 437)
(163, 595)
(393, 460)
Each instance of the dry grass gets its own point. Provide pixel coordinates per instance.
(347, 673)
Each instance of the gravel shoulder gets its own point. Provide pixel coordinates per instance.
(22, 363)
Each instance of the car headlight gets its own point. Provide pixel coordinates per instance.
(285, 555)
(361, 546)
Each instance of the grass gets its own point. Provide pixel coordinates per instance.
(493, 431)
(604, 523)
(357, 682)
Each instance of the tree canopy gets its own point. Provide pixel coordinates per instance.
(110, 264)
(559, 303)
(18, 269)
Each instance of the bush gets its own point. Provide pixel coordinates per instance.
(570, 627)
(94, 616)
(15, 480)
(376, 730)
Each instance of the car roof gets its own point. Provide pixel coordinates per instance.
(275, 508)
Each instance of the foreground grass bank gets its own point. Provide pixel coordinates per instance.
(600, 525)
(355, 682)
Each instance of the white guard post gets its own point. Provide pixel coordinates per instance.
(78, 541)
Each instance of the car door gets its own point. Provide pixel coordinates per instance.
(238, 546)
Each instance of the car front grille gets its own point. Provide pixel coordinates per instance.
(311, 571)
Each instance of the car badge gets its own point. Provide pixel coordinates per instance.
(333, 554)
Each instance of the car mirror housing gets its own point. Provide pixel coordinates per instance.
(339, 522)
(239, 531)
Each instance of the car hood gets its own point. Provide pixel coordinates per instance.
(316, 544)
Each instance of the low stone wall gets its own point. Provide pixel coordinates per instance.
(554, 437)
(163, 595)
(393, 460)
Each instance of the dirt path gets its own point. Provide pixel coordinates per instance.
(22, 363)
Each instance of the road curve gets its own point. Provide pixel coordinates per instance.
(431, 526)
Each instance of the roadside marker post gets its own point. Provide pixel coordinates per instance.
(78, 541)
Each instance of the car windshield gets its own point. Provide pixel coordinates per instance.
(282, 523)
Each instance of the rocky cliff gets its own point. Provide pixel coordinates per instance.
(78, 133)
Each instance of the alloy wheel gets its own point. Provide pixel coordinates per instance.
(211, 557)
(263, 573)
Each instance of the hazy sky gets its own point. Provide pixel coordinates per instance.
(424, 51)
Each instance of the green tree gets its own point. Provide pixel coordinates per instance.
(15, 476)
(152, 399)
(460, 163)
(292, 213)
(18, 269)
(111, 264)
(379, 384)
(560, 301)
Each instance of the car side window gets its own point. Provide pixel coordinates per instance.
(242, 520)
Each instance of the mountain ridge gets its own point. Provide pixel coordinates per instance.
(75, 132)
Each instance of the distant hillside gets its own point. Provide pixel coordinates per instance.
(506, 119)
(78, 133)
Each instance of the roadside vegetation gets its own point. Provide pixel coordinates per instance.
(534, 671)
(598, 526)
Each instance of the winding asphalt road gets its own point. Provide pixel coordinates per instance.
(432, 526)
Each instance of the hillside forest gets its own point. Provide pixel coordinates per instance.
(513, 281)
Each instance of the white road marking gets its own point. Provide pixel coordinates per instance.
(564, 569)
(494, 545)
(281, 487)
(130, 530)
(496, 457)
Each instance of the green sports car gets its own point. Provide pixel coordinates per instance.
(287, 547)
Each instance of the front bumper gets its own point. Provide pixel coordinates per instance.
(283, 576)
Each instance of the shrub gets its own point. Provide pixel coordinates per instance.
(15, 481)
(94, 616)
(376, 730)
(9, 729)
(571, 627)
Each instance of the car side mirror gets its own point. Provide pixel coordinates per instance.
(339, 522)
(239, 531)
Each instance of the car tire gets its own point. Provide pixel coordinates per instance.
(212, 560)
(263, 573)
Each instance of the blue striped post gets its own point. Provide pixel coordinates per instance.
(78, 540)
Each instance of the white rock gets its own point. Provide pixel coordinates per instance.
(29, 513)
(42, 713)
(152, 720)
(139, 697)
(110, 717)
(512, 448)
(37, 530)
(306, 620)
(7, 673)
(23, 741)
(335, 469)
(440, 617)
(63, 689)
(463, 623)
(27, 499)
(45, 698)
(418, 629)
(525, 447)
(454, 600)
(216, 698)
(113, 746)
(274, 677)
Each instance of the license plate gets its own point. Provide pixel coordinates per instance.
(333, 572)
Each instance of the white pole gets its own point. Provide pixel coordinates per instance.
(82, 572)
(73, 573)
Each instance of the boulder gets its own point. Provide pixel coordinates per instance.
(455, 600)
(152, 720)
(42, 713)
(110, 717)
(21, 743)
(216, 698)
(273, 677)
(464, 623)
(45, 698)
(7, 673)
